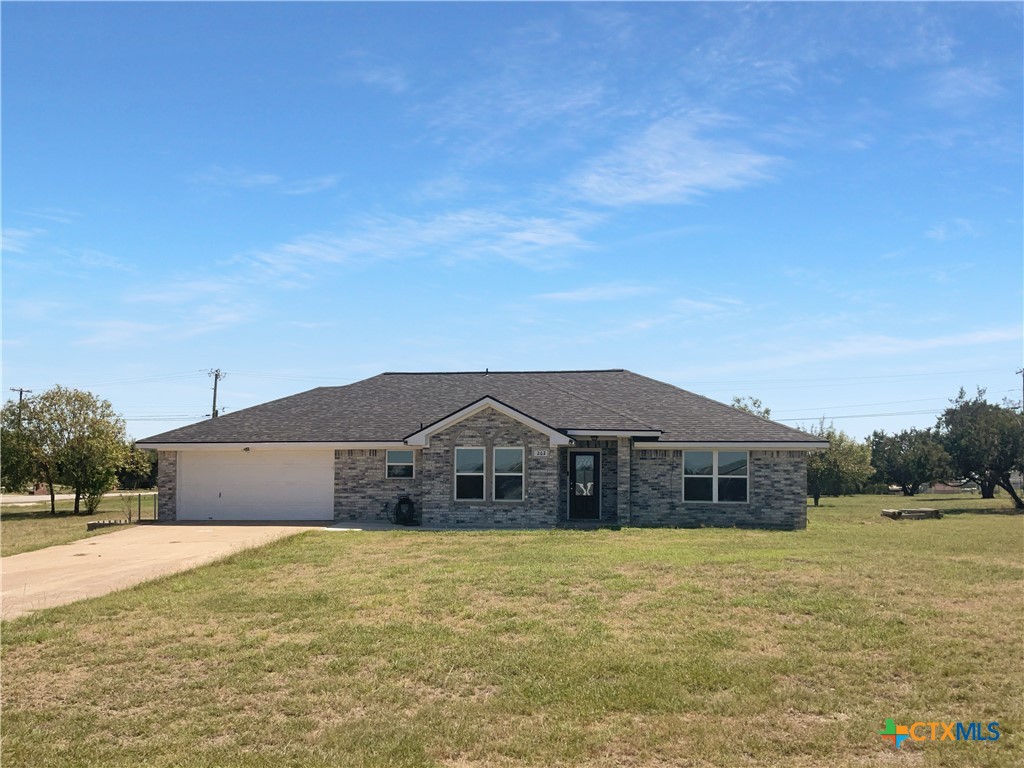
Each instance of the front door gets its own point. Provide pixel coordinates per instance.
(585, 486)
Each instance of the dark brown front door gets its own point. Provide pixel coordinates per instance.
(585, 486)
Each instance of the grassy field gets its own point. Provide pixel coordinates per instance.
(608, 648)
(27, 527)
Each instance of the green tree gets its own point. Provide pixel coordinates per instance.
(80, 442)
(751, 405)
(20, 465)
(909, 458)
(138, 469)
(985, 443)
(841, 468)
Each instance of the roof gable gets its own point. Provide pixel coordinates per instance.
(422, 436)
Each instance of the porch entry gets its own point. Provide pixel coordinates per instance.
(585, 485)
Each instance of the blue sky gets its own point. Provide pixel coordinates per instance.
(819, 205)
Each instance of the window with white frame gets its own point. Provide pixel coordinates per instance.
(508, 474)
(469, 474)
(715, 476)
(401, 464)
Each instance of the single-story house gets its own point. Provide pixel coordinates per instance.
(490, 449)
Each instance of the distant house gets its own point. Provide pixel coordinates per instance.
(522, 449)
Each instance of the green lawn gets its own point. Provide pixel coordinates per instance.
(709, 647)
(24, 528)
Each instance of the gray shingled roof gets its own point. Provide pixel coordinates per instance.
(392, 406)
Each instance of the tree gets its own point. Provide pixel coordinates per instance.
(985, 443)
(841, 468)
(80, 442)
(751, 405)
(138, 469)
(909, 458)
(20, 465)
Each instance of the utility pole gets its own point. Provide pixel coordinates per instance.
(217, 376)
(1021, 372)
(21, 396)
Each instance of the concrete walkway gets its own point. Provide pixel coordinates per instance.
(92, 567)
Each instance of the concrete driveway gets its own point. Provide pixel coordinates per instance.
(85, 568)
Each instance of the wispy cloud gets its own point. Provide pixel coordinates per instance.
(696, 307)
(101, 261)
(951, 230)
(535, 241)
(206, 320)
(234, 177)
(182, 291)
(239, 178)
(605, 292)
(16, 240)
(861, 346)
(961, 89)
(309, 186)
(370, 70)
(56, 215)
(117, 333)
(672, 161)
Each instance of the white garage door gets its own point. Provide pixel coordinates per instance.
(259, 485)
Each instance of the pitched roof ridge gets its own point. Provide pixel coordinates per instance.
(487, 372)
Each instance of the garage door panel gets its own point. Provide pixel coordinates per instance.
(258, 485)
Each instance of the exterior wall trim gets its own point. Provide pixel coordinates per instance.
(614, 432)
(726, 445)
(258, 446)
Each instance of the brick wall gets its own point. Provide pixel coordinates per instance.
(777, 492)
(490, 429)
(362, 488)
(167, 485)
(644, 489)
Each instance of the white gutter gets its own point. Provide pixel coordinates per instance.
(282, 446)
(677, 445)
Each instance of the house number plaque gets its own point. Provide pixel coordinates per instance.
(540, 453)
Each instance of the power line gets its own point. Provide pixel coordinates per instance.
(864, 405)
(866, 415)
(145, 379)
(802, 380)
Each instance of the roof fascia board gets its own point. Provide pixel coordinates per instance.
(614, 432)
(278, 446)
(422, 437)
(676, 445)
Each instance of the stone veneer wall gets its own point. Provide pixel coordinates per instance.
(167, 485)
(362, 487)
(777, 492)
(490, 429)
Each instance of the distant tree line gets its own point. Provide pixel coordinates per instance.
(973, 441)
(70, 437)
